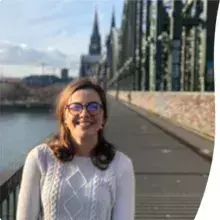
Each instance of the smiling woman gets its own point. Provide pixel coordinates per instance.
(78, 174)
(82, 114)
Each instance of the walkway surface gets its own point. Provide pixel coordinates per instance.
(170, 177)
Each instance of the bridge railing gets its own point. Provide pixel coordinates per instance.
(9, 187)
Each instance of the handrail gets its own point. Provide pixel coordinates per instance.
(8, 193)
(9, 187)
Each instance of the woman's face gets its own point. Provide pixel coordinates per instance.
(84, 113)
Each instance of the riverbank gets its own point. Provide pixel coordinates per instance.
(20, 131)
(26, 106)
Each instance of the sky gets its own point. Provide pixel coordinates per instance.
(54, 32)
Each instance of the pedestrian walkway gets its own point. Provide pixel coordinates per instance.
(170, 176)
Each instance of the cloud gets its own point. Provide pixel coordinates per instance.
(42, 20)
(12, 54)
(20, 59)
(56, 32)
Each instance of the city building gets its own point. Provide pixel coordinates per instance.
(10, 80)
(64, 74)
(40, 80)
(89, 62)
(46, 79)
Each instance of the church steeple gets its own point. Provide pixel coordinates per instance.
(95, 24)
(113, 18)
(95, 41)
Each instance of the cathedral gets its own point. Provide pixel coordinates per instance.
(89, 62)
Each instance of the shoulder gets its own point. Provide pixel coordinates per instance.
(122, 163)
(40, 155)
(122, 158)
(40, 150)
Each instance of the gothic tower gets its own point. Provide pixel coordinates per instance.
(113, 18)
(108, 40)
(95, 40)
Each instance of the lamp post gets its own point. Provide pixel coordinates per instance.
(43, 66)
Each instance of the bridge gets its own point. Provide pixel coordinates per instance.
(158, 76)
(171, 164)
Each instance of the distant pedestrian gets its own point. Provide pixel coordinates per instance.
(78, 174)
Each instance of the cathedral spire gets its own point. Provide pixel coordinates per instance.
(113, 18)
(95, 24)
(95, 43)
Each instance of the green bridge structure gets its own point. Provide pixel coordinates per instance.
(159, 79)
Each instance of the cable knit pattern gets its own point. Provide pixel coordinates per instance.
(48, 208)
(55, 189)
(75, 190)
(94, 204)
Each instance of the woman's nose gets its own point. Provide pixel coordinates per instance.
(84, 112)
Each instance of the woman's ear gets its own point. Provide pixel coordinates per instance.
(104, 123)
(102, 126)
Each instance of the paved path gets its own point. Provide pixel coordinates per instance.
(170, 177)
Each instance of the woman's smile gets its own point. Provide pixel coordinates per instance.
(85, 124)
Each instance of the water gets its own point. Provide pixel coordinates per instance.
(19, 132)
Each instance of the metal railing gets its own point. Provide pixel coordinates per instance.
(8, 194)
(9, 189)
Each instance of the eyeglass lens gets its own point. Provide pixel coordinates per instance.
(92, 108)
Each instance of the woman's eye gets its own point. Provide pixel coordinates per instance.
(75, 107)
(93, 107)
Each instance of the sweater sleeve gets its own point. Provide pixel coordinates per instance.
(124, 208)
(28, 206)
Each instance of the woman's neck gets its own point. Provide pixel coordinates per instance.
(84, 146)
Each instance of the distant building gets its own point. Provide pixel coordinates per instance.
(46, 79)
(64, 74)
(40, 80)
(10, 80)
(89, 63)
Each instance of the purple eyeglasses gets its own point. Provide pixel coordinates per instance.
(93, 108)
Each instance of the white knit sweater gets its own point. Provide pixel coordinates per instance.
(75, 190)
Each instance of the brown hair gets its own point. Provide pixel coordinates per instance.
(62, 144)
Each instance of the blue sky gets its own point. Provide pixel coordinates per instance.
(32, 30)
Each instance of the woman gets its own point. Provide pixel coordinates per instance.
(78, 174)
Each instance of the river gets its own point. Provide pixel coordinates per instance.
(19, 132)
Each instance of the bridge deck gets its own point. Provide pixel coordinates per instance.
(170, 177)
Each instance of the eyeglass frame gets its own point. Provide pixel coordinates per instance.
(84, 107)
